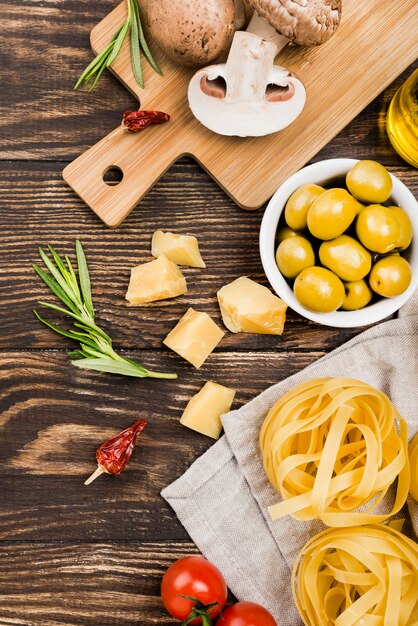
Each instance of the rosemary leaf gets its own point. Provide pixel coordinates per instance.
(101, 65)
(135, 48)
(134, 363)
(119, 42)
(143, 41)
(72, 278)
(97, 334)
(54, 307)
(66, 333)
(76, 354)
(59, 277)
(84, 277)
(110, 366)
(93, 66)
(86, 322)
(55, 288)
(57, 329)
(58, 261)
(95, 81)
(79, 354)
(96, 63)
(91, 351)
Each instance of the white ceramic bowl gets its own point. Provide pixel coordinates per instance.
(323, 173)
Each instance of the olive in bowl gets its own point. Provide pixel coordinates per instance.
(360, 255)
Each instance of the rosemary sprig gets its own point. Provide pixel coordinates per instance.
(95, 351)
(105, 58)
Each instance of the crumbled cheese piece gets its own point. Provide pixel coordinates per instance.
(155, 280)
(194, 337)
(203, 411)
(248, 307)
(182, 249)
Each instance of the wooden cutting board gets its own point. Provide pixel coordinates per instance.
(377, 40)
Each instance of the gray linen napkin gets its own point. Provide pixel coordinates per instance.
(222, 498)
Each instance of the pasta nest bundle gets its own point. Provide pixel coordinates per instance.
(364, 575)
(331, 446)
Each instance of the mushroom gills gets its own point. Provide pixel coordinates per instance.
(216, 88)
(279, 93)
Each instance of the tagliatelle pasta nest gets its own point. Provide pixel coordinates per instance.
(364, 575)
(331, 446)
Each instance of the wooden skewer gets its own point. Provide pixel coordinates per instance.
(98, 472)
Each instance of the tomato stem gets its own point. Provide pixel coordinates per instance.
(201, 611)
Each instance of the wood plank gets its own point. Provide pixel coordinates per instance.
(83, 584)
(47, 49)
(185, 200)
(53, 417)
(42, 118)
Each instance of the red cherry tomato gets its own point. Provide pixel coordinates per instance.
(246, 614)
(193, 576)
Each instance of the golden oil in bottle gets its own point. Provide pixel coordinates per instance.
(402, 120)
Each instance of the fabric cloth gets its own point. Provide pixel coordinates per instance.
(222, 498)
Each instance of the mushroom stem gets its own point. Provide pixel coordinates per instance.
(248, 67)
(260, 27)
(251, 59)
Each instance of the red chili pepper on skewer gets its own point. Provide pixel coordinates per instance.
(113, 455)
(135, 121)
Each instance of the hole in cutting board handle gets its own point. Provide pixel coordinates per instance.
(113, 175)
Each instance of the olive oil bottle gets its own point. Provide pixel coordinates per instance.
(402, 120)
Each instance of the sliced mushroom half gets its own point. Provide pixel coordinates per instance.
(252, 99)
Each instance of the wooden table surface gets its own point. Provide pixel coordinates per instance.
(95, 556)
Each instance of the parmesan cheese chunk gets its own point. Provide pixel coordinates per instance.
(194, 337)
(155, 280)
(182, 249)
(248, 307)
(204, 410)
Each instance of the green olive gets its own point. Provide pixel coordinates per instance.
(331, 214)
(357, 295)
(284, 232)
(297, 207)
(369, 182)
(406, 227)
(378, 228)
(390, 276)
(346, 257)
(319, 290)
(293, 255)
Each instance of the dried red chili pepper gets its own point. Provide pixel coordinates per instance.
(135, 121)
(113, 455)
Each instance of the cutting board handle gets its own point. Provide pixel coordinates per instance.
(149, 153)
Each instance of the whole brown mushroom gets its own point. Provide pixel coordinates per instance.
(249, 95)
(304, 22)
(192, 32)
